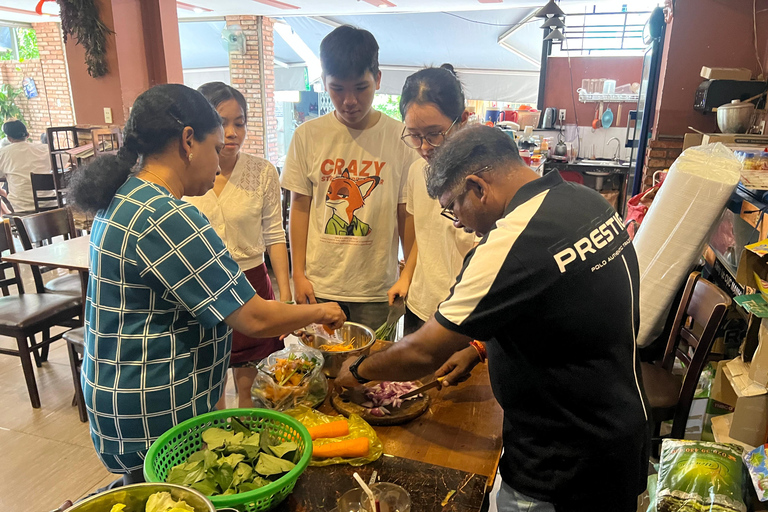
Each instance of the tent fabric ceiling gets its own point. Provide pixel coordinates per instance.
(435, 38)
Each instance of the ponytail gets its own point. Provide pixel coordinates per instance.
(159, 117)
(93, 187)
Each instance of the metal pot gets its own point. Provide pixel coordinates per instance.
(735, 117)
(135, 497)
(561, 149)
(362, 338)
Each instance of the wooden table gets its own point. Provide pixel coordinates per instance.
(72, 254)
(455, 445)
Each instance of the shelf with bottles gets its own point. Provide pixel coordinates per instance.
(586, 97)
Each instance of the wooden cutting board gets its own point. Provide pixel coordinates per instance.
(409, 410)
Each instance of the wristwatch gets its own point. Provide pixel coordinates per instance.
(353, 370)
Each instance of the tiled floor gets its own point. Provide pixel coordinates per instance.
(46, 454)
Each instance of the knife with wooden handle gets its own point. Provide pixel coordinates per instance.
(435, 383)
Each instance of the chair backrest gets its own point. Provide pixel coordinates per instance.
(6, 244)
(698, 317)
(40, 229)
(44, 192)
(106, 141)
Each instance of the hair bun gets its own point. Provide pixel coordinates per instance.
(449, 67)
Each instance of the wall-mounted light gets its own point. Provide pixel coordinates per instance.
(551, 9)
(555, 35)
(553, 22)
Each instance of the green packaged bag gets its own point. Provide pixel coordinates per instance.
(698, 476)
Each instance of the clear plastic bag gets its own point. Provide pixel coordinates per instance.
(697, 476)
(677, 226)
(277, 390)
(358, 427)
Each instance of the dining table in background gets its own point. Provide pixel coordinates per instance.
(72, 254)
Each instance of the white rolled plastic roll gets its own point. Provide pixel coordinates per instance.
(676, 228)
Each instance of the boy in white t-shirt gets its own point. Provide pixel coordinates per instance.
(347, 173)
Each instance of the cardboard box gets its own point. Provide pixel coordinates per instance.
(753, 261)
(749, 399)
(758, 366)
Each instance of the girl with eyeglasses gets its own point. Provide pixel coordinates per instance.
(432, 106)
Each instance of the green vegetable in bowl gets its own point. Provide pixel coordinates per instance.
(234, 461)
(158, 502)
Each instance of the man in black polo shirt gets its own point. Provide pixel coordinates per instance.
(553, 291)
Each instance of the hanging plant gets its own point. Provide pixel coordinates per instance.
(80, 18)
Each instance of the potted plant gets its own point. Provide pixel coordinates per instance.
(9, 109)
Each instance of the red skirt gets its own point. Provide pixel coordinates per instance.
(244, 348)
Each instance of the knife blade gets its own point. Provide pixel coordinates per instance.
(435, 383)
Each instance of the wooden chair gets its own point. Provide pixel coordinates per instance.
(75, 339)
(40, 229)
(106, 141)
(44, 192)
(24, 315)
(698, 317)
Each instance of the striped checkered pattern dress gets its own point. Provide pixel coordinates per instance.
(156, 347)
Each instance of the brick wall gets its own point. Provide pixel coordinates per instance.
(245, 75)
(53, 105)
(660, 155)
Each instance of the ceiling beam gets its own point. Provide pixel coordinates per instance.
(276, 3)
(504, 72)
(193, 8)
(326, 21)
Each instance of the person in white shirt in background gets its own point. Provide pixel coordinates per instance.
(432, 106)
(346, 172)
(244, 207)
(18, 160)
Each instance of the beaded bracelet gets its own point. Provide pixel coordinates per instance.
(480, 350)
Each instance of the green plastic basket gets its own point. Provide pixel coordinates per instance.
(175, 446)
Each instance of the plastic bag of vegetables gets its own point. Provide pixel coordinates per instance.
(289, 378)
(356, 428)
(700, 476)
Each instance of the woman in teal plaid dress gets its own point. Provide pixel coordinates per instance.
(164, 293)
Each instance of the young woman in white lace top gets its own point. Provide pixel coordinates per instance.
(244, 207)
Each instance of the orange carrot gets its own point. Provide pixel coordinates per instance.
(333, 429)
(328, 329)
(357, 447)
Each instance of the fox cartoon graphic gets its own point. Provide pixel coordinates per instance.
(345, 196)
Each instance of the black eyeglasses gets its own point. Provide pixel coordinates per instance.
(447, 212)
(433, 139)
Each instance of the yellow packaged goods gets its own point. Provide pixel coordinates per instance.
(351, 451)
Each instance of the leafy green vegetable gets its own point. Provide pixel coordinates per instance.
(284, 450)
(269, 465)
(163, 502)
(239, 426)
(216, 437)
(207, 486)
(224, 476)
(243, 473)
(235, 461)
(186, 473)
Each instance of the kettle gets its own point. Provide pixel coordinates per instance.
(550, 118)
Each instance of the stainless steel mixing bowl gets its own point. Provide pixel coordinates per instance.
(135, 497)
(363, 337)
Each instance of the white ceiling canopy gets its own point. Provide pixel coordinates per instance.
(23, 10)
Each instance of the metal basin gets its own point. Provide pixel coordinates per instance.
(602, 163)
(362, 338)
(135, 497)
